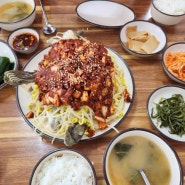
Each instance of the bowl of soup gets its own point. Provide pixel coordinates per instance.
(136, 149)
(16, 14)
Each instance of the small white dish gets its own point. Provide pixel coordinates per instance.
(173, 48)
(75, 164)
(105, 13)
(150, 27)
(21, 36)
(154, 98)
(6, 51)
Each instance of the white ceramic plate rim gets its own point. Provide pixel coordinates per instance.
(174, 161)
(60, 152)
(8, 52)
(166, 92)
(105, 13)
(24, 97)
(152, 28)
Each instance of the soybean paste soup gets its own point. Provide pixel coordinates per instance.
(133, 153)
(14, 11)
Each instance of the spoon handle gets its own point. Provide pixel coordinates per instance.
(43, 11)
(144, 177)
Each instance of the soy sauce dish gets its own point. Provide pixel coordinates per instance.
(135, 149)
(24, 40)
(64, 166)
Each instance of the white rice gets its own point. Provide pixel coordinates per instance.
(171, 7)
(65, 170)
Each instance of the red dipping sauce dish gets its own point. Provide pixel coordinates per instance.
(24, 40)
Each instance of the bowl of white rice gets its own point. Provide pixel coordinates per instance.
(63, 167)
(168, 12)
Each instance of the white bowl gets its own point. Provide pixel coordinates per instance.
(6, 51)
(143, 25)
(174, 48)
(21, 32)
(176, 176)
(74, 162)
(163, 17)
(26, 22)
(163, 92)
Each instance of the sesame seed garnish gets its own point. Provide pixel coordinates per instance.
(77, 65)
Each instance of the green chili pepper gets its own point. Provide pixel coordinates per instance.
(5, 65)
(2, 75)
(4, 62)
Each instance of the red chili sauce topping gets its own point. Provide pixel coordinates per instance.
(24, 41)
(77, 73)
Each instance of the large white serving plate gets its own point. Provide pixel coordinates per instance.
(24, 96)
(164, 92)
(105, 13)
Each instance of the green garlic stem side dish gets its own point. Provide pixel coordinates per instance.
(170, 112)
(5, 65)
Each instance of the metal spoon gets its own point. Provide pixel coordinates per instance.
(144, 177)
(47, 28)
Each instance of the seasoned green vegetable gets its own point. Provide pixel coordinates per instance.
(122, 149)
(5, 65)
(4, 62)
(170, 112)
(136, 178)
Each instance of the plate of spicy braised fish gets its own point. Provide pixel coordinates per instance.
(74, 90)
